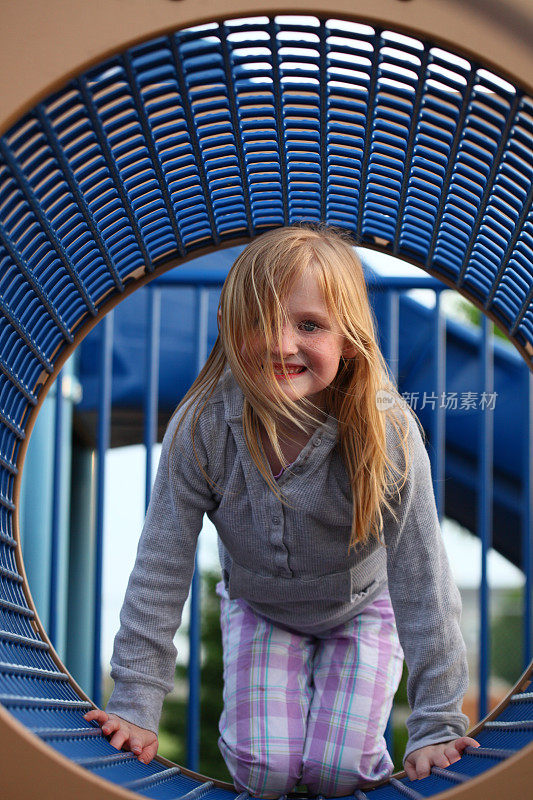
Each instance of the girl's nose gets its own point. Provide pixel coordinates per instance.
(288, 344)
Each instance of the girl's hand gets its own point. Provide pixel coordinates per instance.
(141, 742)
(418, 763)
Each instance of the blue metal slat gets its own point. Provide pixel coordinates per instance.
(104, 421)
(385, 792)
(37, 717)
(7, 553)
(491, 174)
(11, 614)
(39, 704)
(516, 712)
(527, 529)
(471, 764)
(7, 539)
(79, 208)
(93, 732)
(27, 275)
(82, 748)
(12, 399)
(24, 335)
(216, 793)
(138, 80)
(148, 783)
(512, 740)
(31, 198)
(22, 361)
(23, 686)
(167, 786)
(10, 587)
(56, 511)
(199, 791)
(85, 88)
(30, 671)
(516, 288)
(23, 653)
(153, 297)
(523, 316)
(38, 325)
(187, 94)
(117, 768)
(485, 509)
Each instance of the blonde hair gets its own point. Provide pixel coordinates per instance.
(252, 301)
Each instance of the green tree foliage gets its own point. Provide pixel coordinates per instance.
(506, 638)
(174, 718)
(473, 314)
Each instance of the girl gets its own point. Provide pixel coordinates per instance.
(296, 444)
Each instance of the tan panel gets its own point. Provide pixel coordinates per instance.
(44, 43)
(30, 769)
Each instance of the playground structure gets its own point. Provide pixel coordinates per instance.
(144, 142)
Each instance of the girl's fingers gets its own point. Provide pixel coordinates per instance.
(466, 741)
(453, 753)
(442, 760)
(410, 770)
(422, 767)
(123, 736)
(149, 752)
(97, 714)
(111, 725)
(119, 738)
(136, 746)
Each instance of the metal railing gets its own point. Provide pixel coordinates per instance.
(392, 288)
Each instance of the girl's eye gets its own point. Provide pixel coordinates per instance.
(308, 326)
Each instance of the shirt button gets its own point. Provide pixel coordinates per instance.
(317, 442)
(275, 520)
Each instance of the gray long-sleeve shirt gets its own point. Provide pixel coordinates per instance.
(290, 562)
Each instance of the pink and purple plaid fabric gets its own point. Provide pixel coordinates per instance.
(307, 709)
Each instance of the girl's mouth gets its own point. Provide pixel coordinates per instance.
(290, 371)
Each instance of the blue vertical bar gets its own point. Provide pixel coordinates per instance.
(151, 397)
(193, 708)
(392, 356)
(527, 518)
(56, 511)
(104, 424)
(438, 420)
(393, 333)
(485, 510)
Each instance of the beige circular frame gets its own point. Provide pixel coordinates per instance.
(43, 43)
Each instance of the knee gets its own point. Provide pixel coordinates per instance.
(260, 773)
(338, 777)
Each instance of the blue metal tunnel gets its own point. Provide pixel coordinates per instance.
(200, 140)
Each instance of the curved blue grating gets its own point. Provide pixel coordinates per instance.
(210, 136)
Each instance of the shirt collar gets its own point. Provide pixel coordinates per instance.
(234, 402)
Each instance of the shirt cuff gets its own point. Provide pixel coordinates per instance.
(138, 703)
(447, 734)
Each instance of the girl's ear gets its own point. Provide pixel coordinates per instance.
(219, 317)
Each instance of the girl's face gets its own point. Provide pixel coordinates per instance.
(311, 344)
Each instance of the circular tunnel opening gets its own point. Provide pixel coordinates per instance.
(205, 138)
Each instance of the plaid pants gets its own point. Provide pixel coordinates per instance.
(307, 709)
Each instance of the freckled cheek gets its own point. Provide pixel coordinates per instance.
(251, 352)
(250, 347)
